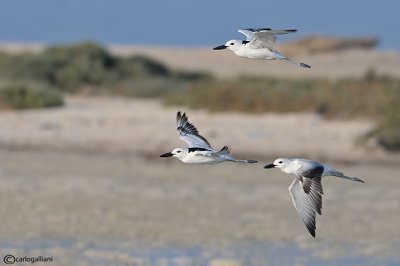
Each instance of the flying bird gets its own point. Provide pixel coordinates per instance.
(259, 44)
(199, 150)
(306, 188)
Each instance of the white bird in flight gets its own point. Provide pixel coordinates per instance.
(259, 44)
(306, 189)
(200, 150)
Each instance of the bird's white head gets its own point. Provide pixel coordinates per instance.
(232, 45)
(178, 153)
(281, 163)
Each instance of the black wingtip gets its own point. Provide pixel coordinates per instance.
(225, 148)
(305, 65)
(292, 30)
(311, 229)
(358, 180)
(178, 115)
(181, 117)
(257, 29)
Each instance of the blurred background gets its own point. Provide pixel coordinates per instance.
(88, 97)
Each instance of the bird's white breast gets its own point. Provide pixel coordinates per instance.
(263, 53)
(202, 157)
(292, 168)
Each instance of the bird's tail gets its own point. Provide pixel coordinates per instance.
(341, 175)
(241, 161)
(280, 56)
(301, 64)
(226, 151)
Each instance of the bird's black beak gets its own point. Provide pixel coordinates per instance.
(271, 165)
(168, 154)
(221, 47)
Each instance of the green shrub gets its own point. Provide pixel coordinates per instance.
(139, 66)
(193, 76)
(23, 97)
(388, 129)
(75, 68)
(67, 67)
(71, 67)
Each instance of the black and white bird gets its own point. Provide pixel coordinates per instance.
(306, 188)
(199, 150)
(259, 44)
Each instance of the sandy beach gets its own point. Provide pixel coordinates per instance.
(127, 210)
(146, 128)
(84, 184)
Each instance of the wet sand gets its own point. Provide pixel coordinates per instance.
(99, 209)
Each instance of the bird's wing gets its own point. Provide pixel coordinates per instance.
(307, 204)
(277, 32)
(248, 32)
(189, 133)
(263, 37)
(310, 172)
(224, 151)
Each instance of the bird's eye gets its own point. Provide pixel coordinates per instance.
(232, 43)
(280, 162)
(178, 151)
